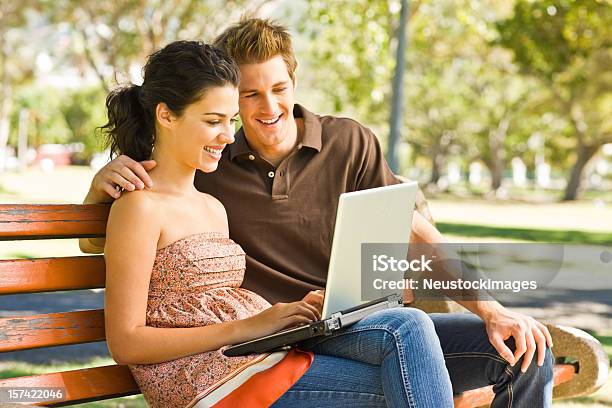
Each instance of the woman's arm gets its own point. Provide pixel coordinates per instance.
(133, 230)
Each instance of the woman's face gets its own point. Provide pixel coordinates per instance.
(206, 127)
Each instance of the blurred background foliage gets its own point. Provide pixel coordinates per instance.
(483, 77)
(486, 81)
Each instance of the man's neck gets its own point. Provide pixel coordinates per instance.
(279, 153)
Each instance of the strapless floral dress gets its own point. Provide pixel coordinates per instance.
(196, 281)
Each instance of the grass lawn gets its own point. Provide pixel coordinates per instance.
(461, 220)
(524, 234)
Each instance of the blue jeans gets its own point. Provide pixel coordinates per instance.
(472, 362)
(393, 357)
(398, 358)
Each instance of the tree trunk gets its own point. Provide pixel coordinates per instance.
(496, 145)
(436, 160)
(435, 172)
(584, 154)
(496, 178)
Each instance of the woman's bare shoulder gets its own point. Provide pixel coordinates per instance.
(135, 207)
(216, 208)
(213, 201)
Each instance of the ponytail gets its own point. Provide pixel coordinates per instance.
(127, 130)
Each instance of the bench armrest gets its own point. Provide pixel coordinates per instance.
(579, 347)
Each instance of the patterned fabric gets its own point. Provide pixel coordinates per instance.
(195, 281)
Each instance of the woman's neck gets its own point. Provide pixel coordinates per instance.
(172, 176)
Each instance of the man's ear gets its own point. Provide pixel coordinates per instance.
(164, 115)
(294, 81)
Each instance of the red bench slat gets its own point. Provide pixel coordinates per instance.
(51, 274)
(90, 384)
(32, 221)
(53, 329)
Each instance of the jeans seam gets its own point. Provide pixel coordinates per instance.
(400, 351)
(510, 391)
(475, 354)
(346, 393)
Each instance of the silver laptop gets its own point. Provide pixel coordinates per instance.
(378, 215)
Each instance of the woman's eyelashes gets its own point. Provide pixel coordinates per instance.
(232, 121)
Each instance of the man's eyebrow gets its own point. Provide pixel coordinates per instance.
(281, 83)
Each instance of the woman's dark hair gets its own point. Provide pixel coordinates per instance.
(177, 75)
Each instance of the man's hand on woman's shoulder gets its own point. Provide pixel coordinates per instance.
(122, 172)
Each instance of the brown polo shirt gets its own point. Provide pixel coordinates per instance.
(283, 217)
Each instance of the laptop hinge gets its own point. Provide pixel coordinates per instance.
(334, 322)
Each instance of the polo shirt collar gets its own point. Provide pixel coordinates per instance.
(240, 147)
(312, 127)
(311, 137)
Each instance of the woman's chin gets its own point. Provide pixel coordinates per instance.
(208, 167)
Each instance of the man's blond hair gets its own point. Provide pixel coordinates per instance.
(256, 40)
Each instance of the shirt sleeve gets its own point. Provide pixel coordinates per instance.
(374, 170)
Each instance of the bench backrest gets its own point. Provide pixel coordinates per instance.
(17, 276)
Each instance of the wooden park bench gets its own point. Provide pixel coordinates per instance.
(582, 365)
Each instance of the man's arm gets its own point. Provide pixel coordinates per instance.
(121, 172)
(529, 335)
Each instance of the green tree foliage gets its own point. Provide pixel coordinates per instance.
(61, 117)
(482, 76)
(462, 93)
(351, 58)
(15, 61)
(567, 45)
(111, 37)
(46, 123)
(83, 112)
(461, 96)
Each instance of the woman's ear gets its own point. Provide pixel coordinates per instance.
(164, 115)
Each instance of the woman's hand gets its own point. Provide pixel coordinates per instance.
(281, 316)
(315, 298)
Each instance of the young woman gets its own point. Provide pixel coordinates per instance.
(173, 295)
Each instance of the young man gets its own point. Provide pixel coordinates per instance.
(280, 183)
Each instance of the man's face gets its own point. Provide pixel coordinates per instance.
(266, 103)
